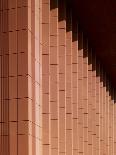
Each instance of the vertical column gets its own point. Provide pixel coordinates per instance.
(68, 81)
(89, 102)
(13, 80)
(4, 78)
(19, 78)
(62, 75)
(104, 113)
(101, 110)
(97, 108)
(45, 77)
(25, 74)
(107, 102)
(85, 93)
(32, 78)
(110, 120)
(0, 85)
(54, 76)
(114, 122)
(37, 77)
(80, 91)
(93, 104)
(75, 85)
(40, 77)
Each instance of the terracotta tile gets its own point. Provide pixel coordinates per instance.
(54, 129)
(54, 24)
(23, 147)
(24, 127)
(5, 65)
(22, 86)
(54, 110)
(45, 1)
(13, 42)
(62, 36)
(22, 17)
(61, 82)
(5, 21)
(13, 128)
(61, 98)
(12, 87)
(13, 109)
(4, 41)
(45, 64)
(13, 65)
(22, 3)
(68, 121)
(1, 110)
(6, 141)
(45, 14)
(53, 55)
(5, 130)
(45, 149)
(37, 93)
(53, 94)
(62, 24)
(22, 59)
(30, 144)
(12, 4)
(5, 88)
(13, 144)
(12, 20)
(23, 41)
(45, 135)
(45, 39)
(45, 108)
(23, 104)
(5, 5)
(69, 142)
(45, 83)
(62, 64)
(31, 88)
(5, 111)
(37, 71)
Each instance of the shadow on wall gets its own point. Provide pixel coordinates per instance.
(84, 95)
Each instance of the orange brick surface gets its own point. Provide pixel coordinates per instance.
(56, 97)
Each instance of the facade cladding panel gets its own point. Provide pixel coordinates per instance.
(55, 95)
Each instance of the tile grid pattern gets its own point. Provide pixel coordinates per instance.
(55, 97)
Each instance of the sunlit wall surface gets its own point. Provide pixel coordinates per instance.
(55, 96)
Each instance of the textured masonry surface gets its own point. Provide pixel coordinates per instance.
(55, 96)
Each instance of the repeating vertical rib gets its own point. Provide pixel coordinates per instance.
(62, 75)
(93, 104)
(54, 76)
(98, 108)
(75, 85)
(114, 122)
(55, 95)
(68, 81)
(85, 93)
(105, 111)
(80, 92)
(89, 101)
(110, 120)
(107, 116)
(45, 77)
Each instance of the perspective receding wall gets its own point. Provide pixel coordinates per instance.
(55, 96)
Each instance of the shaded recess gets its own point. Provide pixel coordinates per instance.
(98, 19)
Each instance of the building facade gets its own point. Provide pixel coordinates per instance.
(56, 97)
